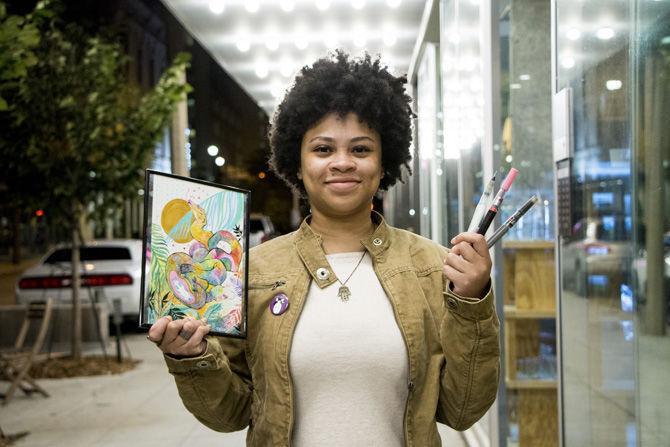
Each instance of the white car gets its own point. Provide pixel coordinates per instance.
(261, 229)
(113, 268)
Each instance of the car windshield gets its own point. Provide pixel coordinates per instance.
(90, 254)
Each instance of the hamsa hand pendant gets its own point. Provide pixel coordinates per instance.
(344, 293)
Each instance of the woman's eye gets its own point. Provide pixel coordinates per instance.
(360, 149)
(322, 149)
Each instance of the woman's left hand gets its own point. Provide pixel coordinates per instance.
(468, 265)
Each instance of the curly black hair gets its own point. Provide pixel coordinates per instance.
(338, 84)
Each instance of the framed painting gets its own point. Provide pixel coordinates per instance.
(196, 252)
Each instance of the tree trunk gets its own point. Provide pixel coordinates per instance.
(76, 283)
(16, 236)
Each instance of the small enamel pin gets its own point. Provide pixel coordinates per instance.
(279, 304)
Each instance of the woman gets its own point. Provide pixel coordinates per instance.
(358, 333)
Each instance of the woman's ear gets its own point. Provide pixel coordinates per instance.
(299, 175)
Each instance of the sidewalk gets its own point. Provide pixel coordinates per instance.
(140, 408)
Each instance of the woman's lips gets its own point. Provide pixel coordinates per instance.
(342, 185)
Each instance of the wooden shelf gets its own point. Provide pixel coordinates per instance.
(531, 384)
(511, 312)
(528, 244)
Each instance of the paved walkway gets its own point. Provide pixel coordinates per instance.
(140, 408)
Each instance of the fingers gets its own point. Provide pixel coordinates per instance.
(456, 262)
(452, 274)
(184, 337)
(477, 241)
(157, 330)
(465, 250)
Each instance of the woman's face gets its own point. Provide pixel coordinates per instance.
(340, 164)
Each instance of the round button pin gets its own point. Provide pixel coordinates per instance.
(322, 273)
(377, 241)
(279, 304)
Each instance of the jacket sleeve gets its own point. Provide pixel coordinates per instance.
(469, 334)
(216, 386)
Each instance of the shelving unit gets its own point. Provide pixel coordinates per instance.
(529, 297)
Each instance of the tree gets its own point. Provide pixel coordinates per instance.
(89, 133)
(19, 36)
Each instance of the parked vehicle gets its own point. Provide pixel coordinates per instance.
(261, 229)
(640, 273)
(112, 268)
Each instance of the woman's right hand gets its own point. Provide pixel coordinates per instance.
(179, 338)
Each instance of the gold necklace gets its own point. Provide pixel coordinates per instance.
(344, 293)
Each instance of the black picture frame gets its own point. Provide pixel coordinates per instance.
(191, 282)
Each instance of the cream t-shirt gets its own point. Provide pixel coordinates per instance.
(349, 363)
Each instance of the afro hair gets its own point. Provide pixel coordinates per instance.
(338, 84)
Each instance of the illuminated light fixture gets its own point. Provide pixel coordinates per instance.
(389, 38)
(276, 90)
(605, 33)
(360, 39)
(243, 45)
(287, 5)
(217, 6)
(285, 68)
(261, 175)
(412, 212)
(393, 3)
(665, 40)
(300, 40)
(330, 39)
(573, 34)
(567, 62)
(439, 171)
(252, 6)
(515, 86)
(509, 158)
(524, 77)
(213, 150)
(613, 84)
(187, 132)
(262, 70)
(219, 161)
(358, 4)
(272, 43)
(322, 5)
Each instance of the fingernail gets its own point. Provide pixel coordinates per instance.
(452, 240)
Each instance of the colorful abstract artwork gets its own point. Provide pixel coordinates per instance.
(195, 253)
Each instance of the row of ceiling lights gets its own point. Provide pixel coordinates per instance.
(331, 40)
(252, 6)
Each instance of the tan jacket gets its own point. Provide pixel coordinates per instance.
(452, 342)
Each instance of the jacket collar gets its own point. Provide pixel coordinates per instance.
(310, 248)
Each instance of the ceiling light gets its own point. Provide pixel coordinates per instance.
(509, 158)
(286, 67)
(573, 34)
(360, 39)
(242, 45)
(262, 70)
(287, 5)
(393, 3)
(567, 62)
(358, 4)
(272, 43)
(220, 161)
(524, 77)
(665, 40)
(276, 90)
(300, 42)
(613, 84)
(212, 150)
(322, 5)
(389, 38)
(252, 6)
(216, 6)
(515, 86)
(605, 33)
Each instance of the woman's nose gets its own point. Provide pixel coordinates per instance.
(342, 161)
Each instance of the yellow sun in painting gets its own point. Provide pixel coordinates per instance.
(173, 212)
